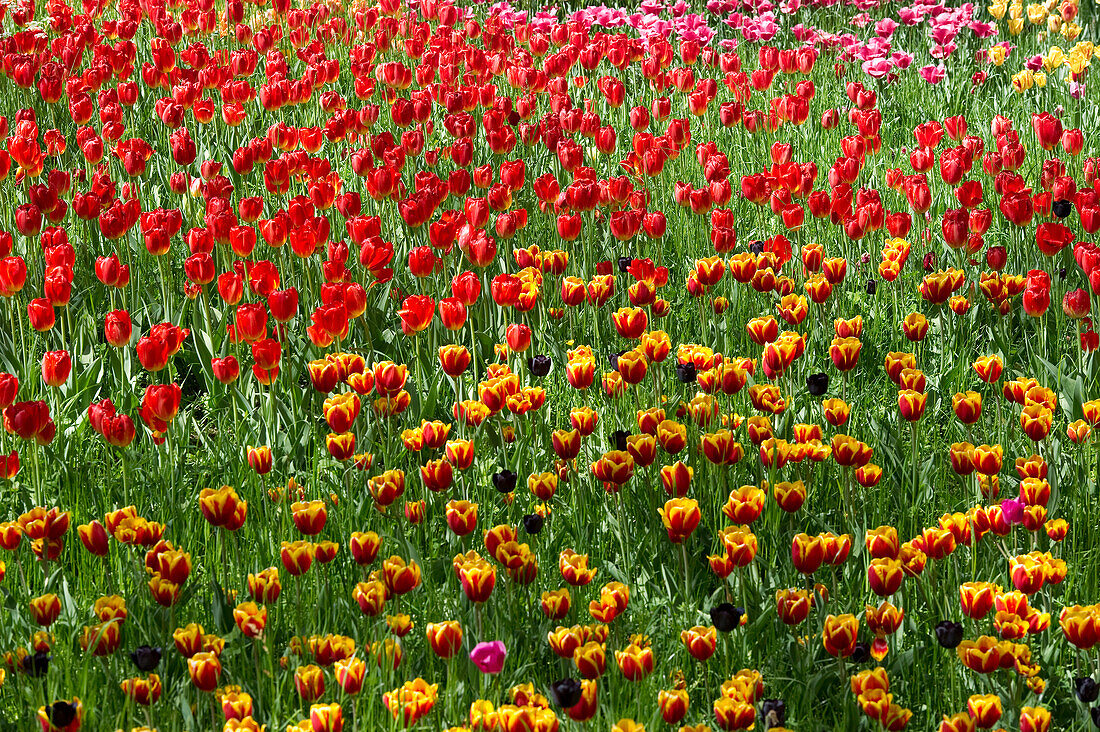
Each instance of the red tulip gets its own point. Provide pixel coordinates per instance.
(1048, 129)
(41, 314)
(416, 313)
(1052, 238)
(1076, 304)
(226, 370)
(27, 419)
(13, 275)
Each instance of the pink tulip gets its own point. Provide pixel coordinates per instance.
(489, 657)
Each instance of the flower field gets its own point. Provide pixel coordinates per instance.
(464, 366)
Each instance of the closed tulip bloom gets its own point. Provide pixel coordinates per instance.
(340, 446)
(265, 587)
(326, 718)
(371, 597)
(94, 538)
(309, 516)
(680, 517)
(635, 661)
(836, 412)
(56, 366)
(848, 451)
(984, 709)
(882, 542)
(400, 576)
(350, 673)
(297, 556)
(911, 404)
(845, 353)
(205, 670)
(734, 714)
(461, 517)
(117, 328)
(868, 475)
(789, 495)
(259, 459)
(967, 406)
(1036, 421)
(630, 323)
(219, 506)
(591, 659)
(807, 553)
(840, 634)
(309, 682)
(454, 359)
(884, 575)
(143, 691)
(673, 704)
(700, 641)
(40, 314)
(445, 638)
(555, 604)
(478, 579)
(633, 366)
(45, 609)
(977, 598)
(793, 606)
(915, 326)
(740, 544)
(364, 547)
(745, 504)
(416, 314)
(1035, 719)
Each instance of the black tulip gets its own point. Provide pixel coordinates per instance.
(685, 373)
(619, 438)
(756, 246)
(726, 617)
(949, 634)
(613, 359)
(504, 481)
(1061, 208)
(774, 713)
(861, 653)
(872, 287)
(539, 365)
(1087, 689)
(36, 665)
(1062, 274)
(146, 658)
(61, 714)
(566, 693)
(532, 523)
(1095, 714)
(817, 384)
(624, 264)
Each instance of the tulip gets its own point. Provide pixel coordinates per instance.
(61, 716)
(489, 657)
(984, 709)
(56, 366)
(205, 670)
(699, 641)
(680, 517)
(839, 634)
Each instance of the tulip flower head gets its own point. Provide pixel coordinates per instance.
(489, 657)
